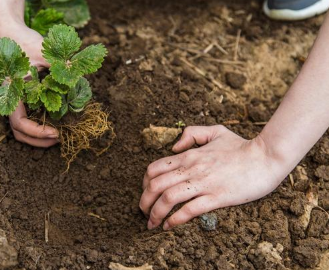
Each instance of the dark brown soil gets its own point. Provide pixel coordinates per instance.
(93, 210)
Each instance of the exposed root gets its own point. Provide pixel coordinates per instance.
(92, 125)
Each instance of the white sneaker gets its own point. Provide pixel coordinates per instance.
(293, 10)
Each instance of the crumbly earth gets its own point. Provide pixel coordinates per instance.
(148, 78)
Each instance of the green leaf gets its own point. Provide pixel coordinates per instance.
(76, 12)
(33, 90)
(45, 19)
(51, 100)
(62, 111)
(65, 74)
(34, 73)
(79, 95)
(60, 44)
(10, 94)
(13, 62)
(90, 59)
(50, 83)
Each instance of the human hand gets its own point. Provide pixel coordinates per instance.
(25, 130)
(228, 170)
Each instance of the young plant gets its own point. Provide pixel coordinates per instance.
(41, 15)
(64, 89)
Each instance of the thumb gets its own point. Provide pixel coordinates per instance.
(197, 135)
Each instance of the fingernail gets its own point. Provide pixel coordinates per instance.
(166, 226)
(53, 136)
(150, 225)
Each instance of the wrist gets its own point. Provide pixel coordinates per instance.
(276, 155)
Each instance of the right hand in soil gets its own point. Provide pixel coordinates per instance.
(25, 130)
(227, 170)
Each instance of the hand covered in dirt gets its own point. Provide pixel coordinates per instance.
(25, 130)
(228, 170)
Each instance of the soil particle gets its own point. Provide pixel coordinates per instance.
(308, 251)
(321, 154)
(158, 137)
(322, 172)
(297, 206)
(105, 173)
(259, 113)
(319, 219)
(37, 154)
(235, 80)
(91, 255)
(8, 254)
(265, 256)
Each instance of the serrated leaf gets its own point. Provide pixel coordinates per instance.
(45, 19)
(50, 83)
(60, 44)
(90, 59)
(79, 95)
(13, 62)
(65, 74)
(51, 100)
(34, 73)
(62, 111)
(33, 90)
(10, 94)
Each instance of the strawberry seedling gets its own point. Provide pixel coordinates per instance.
(63, 90)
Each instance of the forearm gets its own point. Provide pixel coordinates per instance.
(11, 11)
(303, 115)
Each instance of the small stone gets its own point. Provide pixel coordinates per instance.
(90, 167)
(209, 222)
(91, 255)
(158, 137)
(184, 97)
(235, 80)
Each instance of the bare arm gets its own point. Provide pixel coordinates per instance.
(303, 115)
(229, 170)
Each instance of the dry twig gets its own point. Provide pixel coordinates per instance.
(47, 221)
(118, 266)
(236, 48)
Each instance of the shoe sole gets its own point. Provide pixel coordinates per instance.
(296, 15)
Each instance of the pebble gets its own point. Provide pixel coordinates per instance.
(209, 222)
(91, 255)
(235, 80)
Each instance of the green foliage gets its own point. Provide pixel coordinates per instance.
(72, 12)
(64, 89)
(45, 19)
(67, 66)
(13, 66)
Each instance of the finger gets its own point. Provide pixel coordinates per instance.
(44, 143)
(172, 196)
(191, 210)
(159, 184)
(197, 135)
(19, 122)
(166, 165)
